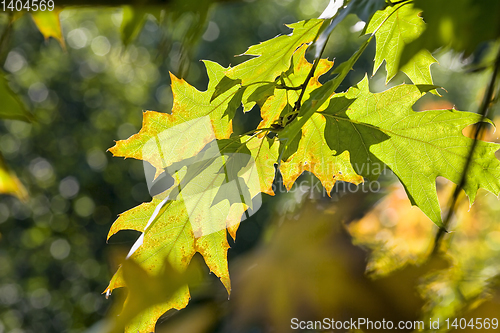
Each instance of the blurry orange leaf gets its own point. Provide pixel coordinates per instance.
(310, 271)
(397, 233)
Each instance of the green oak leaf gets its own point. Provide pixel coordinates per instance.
(402, 26)
(273, 57)
(417, 146)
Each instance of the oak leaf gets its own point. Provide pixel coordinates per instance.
(417, 146)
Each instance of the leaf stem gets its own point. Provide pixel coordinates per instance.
(282, 86)
(483, 111)
(256, 131)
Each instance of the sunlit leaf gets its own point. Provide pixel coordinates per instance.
(417, 146)
(402, 26)
(172, 238)
(291, 134)
(272, 58)
(311, 153)
(195, 217)
(194, 121)
(265, 153)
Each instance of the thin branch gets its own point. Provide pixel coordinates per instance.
(483, 111)
(295, 111)
(297, 105)
(282, 86)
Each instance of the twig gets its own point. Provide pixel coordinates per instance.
(282, 86)
(296, 108)
(483, 111)
(297, 105)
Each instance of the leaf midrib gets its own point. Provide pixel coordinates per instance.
(393, 133)
(250, 68)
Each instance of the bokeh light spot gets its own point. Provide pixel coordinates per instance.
(84, 206)
(60, 249)
(212, 32)
(40, 298)
(77, 38)
(125, 131)
(4, 212)
(96, 159)
(493, 240)
(69, 187)
(41, 169)
(38, 92)
(100, 46)
(14, 62)
(9, 294)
